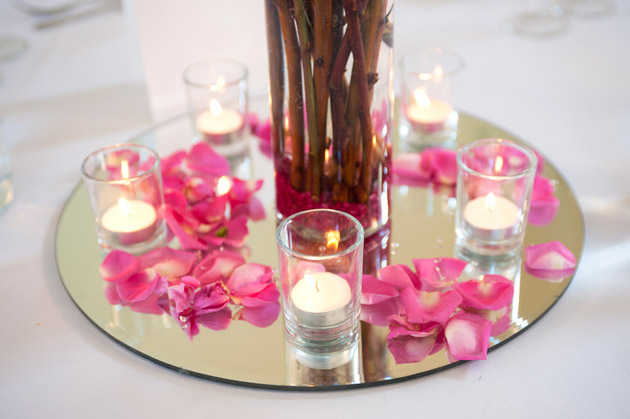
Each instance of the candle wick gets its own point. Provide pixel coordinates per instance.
(316, 287)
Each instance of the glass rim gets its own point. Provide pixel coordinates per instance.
(531, 168)
(358, 241)
(437, 51)
(113, 147)
(231, 81)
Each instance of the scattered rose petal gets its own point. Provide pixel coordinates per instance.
(444, 164)
(492, 292)
(438, 273)
(399, 276)
(374, 291)
(411, 343)
(550, 261)
(261, 316)
(425, 307)
(217, 266)
(407, 171)
(210, 299)
(118, 266)
(251, 285)
(378, 314)
(467, 336)
(218, 320)
(138, 286)
(168, 262)
(204, 159)
(544, 205)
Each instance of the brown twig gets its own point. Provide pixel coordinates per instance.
(294, 76)
(276, 77)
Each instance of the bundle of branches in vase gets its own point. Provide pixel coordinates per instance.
(331, 103)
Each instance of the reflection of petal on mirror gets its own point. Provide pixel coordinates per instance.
(549, 261)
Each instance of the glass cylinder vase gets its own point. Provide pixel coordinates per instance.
(331, 98)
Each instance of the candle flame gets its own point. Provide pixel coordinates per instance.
(491, 201)
(286, 122)
(215, 107)
(124, 169)
(223, 185)
(125, 206)
(326, 156)
(498, 164)
(421, 98)
(332, 240)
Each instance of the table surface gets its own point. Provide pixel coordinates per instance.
(98, 80)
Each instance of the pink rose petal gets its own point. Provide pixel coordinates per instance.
(218, 266)
(408, 344)
(118, 266)
(424, 307)
(168, 262)
(467, 336)
(550, 261)
(204, 159)
(407, 171)
(438, 273)
(182, 295)
(210, 299)
(138, 286)
(185, 240)
(261, 316)
(493, 292)
(374, 291)
(172, 162)
(379, 313)
(444, 163)
(398, 276)
(544, 205)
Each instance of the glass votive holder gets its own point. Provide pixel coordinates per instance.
(321, 266)
(494, 184)
(428, 115)
(125, 189)
(217, 103)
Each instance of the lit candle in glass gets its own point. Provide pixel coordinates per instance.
(132, 221)
(321, 299)
(430, 115)
(216, 123)
(492, 217)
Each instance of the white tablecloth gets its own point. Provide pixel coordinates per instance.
(85, 84)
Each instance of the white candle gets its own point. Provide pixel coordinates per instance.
(131, 221)
(430, 115)
(216, 123)
(492, 217)
(321, 299)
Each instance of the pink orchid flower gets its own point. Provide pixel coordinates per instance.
(409, 342)
(218, 266)
(467, 336)
(180, 302)
(544, 205)
(492, 292)
(550, 261)
(438, 273)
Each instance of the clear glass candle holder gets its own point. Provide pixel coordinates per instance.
(494, 184)
(321, 265)
(125, 189)
(218, 104)
(428, 116)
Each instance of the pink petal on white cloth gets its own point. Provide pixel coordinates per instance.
(218, 320)
(438, 273)
(185, 240)
(493, 292)
(467, 336)
(261, 316)
(374, 291)
(217, 266)
(424, 307)
(399, 276)
(138, 286)
(168, 262)
(204, 159)
(118, 266)
(550, 261)
(379, 313)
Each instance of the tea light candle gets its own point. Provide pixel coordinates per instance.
(216, 122)
(492, 217)
(320, 299)
(131, 221)
(428, 114)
